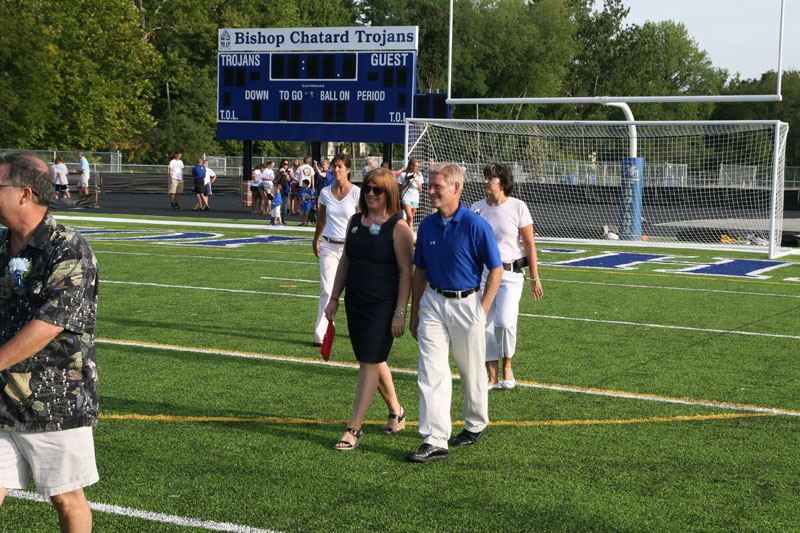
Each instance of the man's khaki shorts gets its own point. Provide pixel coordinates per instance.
(175, 186)
(61, 461)
(83, 180)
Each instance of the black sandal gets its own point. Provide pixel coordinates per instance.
(401, 423)
(349, 445)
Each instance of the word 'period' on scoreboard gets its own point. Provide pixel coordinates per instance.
(316, 84)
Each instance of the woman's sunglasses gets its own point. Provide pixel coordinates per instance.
(374, 189)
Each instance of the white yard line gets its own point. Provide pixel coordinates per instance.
(687, 289)
(243, 291)
(548, 280)
(147, 515)
(662, 326)
(550, 317)
(530, 384)
(215, 258)
(187, 223)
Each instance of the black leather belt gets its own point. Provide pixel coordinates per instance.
(456, 294)
(517, 265)
(334, 241)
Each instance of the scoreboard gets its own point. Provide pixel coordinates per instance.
(316, 95)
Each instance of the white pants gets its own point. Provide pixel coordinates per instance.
(329, 256)
(501, 321)
(460, 323)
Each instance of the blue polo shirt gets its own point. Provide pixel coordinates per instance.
(454, 255)
(198, 172)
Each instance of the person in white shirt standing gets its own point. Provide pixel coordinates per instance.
(175, 171)
(337, 203)
(410, 183)
(209, 178)
(510, 219)
(60, 172)
(83, 174)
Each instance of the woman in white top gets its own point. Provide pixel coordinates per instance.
(410, 185)
(337, 203)
(510, 220)
(60, 172)
(258, 204)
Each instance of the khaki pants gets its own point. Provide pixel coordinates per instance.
(459, 323)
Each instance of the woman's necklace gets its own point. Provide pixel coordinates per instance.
(375, 227)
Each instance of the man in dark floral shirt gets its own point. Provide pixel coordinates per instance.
(48, 370)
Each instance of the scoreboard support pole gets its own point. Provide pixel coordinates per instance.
(316, 151)
(387, 153)
(247, 159)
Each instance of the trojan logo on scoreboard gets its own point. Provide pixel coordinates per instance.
(316, 84)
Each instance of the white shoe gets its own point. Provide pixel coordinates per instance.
(495, 386)
(508, 384)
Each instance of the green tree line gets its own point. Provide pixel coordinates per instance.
(140, 76)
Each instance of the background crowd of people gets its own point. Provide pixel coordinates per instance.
(61, 173)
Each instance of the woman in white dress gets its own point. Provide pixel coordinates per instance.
(510, 220)
(337, 203)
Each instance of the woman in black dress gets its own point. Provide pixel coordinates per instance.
(376, 271)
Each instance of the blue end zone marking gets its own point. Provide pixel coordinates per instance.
(614, 260)
(236, 243)
(170, 237)
(560, 250)
(738, 268)
(735, 268)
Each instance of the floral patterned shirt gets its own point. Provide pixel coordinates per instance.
(56, 282)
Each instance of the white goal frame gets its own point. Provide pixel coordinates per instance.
(764, 219)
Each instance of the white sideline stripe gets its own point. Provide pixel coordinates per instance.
(244, 291)
(147, 515)
(179, 223)
(244, 355)
(561, 388)
(688, 289)
(576, 319)
(290, 279)
(663, 326)
(208, 257)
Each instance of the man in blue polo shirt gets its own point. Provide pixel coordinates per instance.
(453, 245)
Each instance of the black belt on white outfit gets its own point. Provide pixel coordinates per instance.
(516, 265)
(334, 241)
(456, 294)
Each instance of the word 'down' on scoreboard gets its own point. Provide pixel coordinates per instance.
(316, 84)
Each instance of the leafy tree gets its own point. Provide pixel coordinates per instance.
(27, 75)
(84, 71)
(787, 110)
(662, 59)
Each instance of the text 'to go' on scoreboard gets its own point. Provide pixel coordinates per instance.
(316, 84)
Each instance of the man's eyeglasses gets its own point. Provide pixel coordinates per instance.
(374, 189)
(10, 185)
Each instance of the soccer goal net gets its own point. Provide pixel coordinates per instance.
(677, 184)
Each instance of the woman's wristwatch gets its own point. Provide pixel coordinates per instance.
(400, 312)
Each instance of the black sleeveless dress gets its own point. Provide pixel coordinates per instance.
(371, 289)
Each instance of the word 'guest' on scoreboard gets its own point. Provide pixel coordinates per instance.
(316, 84)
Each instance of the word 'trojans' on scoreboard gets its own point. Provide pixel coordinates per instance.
(316, 84)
